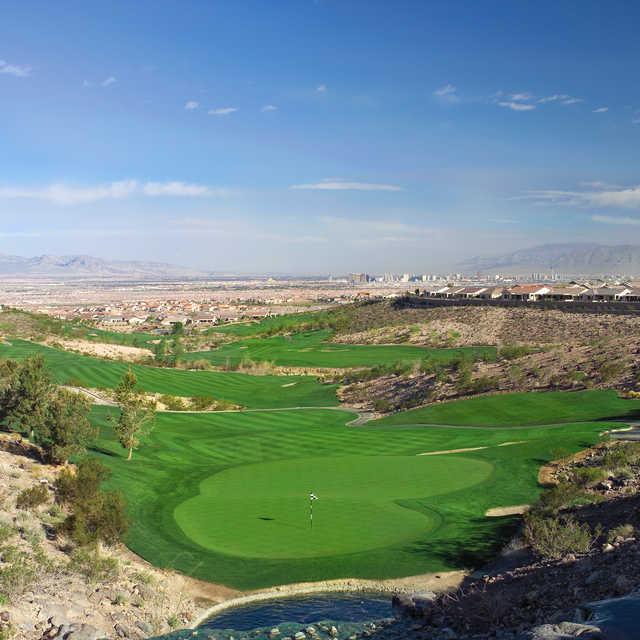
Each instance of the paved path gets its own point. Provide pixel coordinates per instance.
(629, 433)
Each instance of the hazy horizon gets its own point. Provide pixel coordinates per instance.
(319, 136)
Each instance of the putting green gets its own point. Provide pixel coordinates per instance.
(357, 510)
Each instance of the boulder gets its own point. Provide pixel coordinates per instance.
(563, 631)
(86, 632)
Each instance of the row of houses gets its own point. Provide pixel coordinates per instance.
(573, 291)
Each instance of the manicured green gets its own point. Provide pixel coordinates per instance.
(248, 391)
(520, 409)
(313, 349)
(224, 497)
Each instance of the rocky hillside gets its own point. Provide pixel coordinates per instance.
(537, 350)
(51, 590)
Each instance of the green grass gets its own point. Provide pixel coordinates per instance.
(289, 322)
(520, 409)
(249, 391)
(223, 497)
(312, 349)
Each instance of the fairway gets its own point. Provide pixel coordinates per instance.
(224, 497)
(248, 391)
(510, 409)
(313, 349)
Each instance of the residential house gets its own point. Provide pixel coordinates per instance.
(528, 292)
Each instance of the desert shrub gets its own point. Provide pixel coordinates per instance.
(484, 384)
(563, 495)
(17, 572)
(586, 477)
(200, 365)
(617, 457)
(611, 369)
(75, 382)
(32, 498)
(557, 537)
(381, 405)
(514, 351)
(88, 562)
(621, 532)
(7, 532)
(202, 403)
(7, 632)
(173, 403)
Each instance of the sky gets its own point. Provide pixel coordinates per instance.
(317, 136)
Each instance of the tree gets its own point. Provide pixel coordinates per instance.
(95, 514)
(136, 413)
(24, 401)
(67, 430)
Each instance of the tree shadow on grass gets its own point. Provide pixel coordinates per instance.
(475, 542)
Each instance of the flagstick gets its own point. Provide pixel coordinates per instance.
(311, 512)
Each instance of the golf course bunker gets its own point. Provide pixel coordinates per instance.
(263, 510)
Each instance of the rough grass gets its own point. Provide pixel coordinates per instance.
(511, 409)
(248, 391)
(313, 349)
(223, 497)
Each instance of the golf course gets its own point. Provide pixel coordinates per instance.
(224, 496)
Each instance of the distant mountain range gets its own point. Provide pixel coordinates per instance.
(89, 267)
(573, 259)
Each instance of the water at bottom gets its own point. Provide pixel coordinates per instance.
(304, 610)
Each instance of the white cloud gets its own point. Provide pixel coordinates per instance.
(268, 107)
(321, 88)
(561, 98)
(222, 111)
(516, 106)
(601, 110)
(447, 93)
(19, 71)
(62, 194)
(621, 197)
(179, 189)
(107, 82)
(521, 97)
(344, 185)
(191, 105)
(616, 220)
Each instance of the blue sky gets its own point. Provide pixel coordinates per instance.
(317, 136)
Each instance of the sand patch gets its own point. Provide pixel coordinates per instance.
(441, 453)
(515, 510)
(100, 349)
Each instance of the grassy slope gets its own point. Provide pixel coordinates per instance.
(520, 409)
(187, 449)
(249, 391)
(24, 324)
(312, 349)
